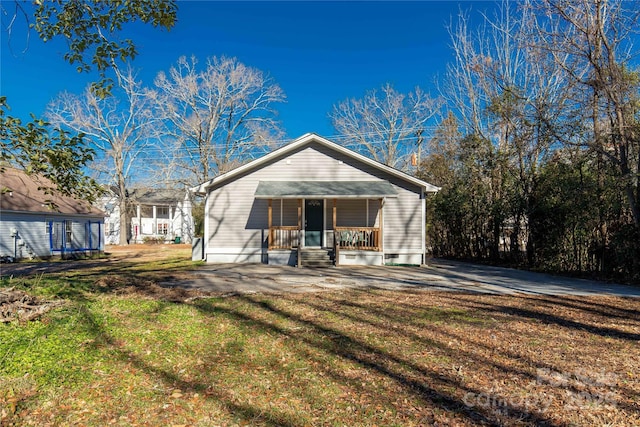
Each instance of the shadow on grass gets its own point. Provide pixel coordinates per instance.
(405, 319)
(172, 379)
(328, 324)
(89, 277)
(433, 389)
(425, 385)
(560, 305)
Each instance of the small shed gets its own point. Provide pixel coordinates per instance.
(36, 224)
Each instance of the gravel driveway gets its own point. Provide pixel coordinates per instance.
(438, 275)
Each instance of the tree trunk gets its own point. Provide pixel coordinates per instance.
(125, 232)
(123, 203)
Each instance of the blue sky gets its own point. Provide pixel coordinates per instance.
(319, 53)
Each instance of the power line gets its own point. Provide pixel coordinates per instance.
(411, 135)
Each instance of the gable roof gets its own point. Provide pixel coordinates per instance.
(159, 196)
(308, 139)
(149, 196)
(20, 192)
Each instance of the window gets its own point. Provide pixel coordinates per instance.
(163, 229)
(68, 227)
(162, 211)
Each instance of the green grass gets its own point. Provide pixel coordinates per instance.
(118, 354)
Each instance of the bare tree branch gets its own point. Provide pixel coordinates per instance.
(215, 118)
(121, 129)
(383, 124)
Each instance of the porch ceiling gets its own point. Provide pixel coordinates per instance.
(324, 189)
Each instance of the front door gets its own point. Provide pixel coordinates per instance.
(313, 222)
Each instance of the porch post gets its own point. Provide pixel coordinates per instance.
(138, 239)
(270, 222)
(155, 221)
(171, 214)
(299, 231)
(424, 226)
(380, 245)
(336, 251)
(335, 214)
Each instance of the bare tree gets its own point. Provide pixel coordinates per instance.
(119, 128)
(385, 125)
(499, 87)
(463, 90)
(91, 30)
(510, 94)
(215, 118)
(591, 41)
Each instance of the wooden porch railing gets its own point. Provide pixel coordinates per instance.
(358, 238)
(284, 236)
(349, 238)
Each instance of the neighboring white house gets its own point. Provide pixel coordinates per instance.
(314, 202)
(162, 214)
(36, 224)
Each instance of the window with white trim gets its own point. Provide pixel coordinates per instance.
(68, 229)
(163, 228)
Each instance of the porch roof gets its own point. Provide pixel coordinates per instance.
(324, 189)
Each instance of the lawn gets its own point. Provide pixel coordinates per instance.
(124, 351)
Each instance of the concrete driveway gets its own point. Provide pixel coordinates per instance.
(438, 275)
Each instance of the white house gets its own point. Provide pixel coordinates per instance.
(314, 202)
(159, 214)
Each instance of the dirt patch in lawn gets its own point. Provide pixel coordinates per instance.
(147, 252)
(113, 257)
(128, 285)
(17, 305)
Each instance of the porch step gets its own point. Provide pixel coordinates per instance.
(316, 257)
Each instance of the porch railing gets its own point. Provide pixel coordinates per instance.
(348, 238)
(357, 238)
(283, 236)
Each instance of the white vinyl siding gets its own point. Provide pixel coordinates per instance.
(33, 235)
(31, 230)
(402, 218)
(236, 219)
(78, 237)
(374, 209)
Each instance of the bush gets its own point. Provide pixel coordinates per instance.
(152, 240)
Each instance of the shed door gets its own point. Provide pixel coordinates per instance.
(313, 222)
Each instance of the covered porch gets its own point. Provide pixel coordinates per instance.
(343, 218)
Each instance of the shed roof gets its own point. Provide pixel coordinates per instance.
(20, 192)
(321, 189)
